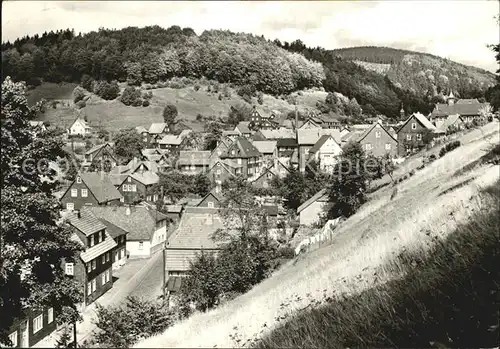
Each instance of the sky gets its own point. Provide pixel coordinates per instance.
(454, 29)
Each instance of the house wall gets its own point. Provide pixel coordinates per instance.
(264, 181)
(193, 169)
(24, 328)
(159, 235)
(218, 174)
(78, 201)
(328, 155)
(133, 248)
(120, 251)
(311, 214)
(131, 196)
(78, 129)
(379, 144)
(209, 199)
(304, 155)
(408, 137)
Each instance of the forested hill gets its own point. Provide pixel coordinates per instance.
(151, 54)
(421, 72)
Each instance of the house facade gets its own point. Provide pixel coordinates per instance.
(31, 327)
(307, 138)
(119, 253)
(90, 189)
(311, 211)
(243, 157)
(193, 162)
(79, 127)
(325, 152)
(378, 141)
(100, 155)
(157, 131)
(414, 134)
(219, 173)
(139, 186)
(93, 268)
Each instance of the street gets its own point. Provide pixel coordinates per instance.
(139, 277)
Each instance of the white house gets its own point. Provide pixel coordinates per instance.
(79, 127)
(311, 211)
(326, 152)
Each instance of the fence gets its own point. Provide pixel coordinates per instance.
(320, 239)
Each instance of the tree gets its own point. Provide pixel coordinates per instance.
(134, 73)
(201, 184)
(65, 339)
(86, 82)
(128, 144)
(79, 94)
(194, 141)
(213, 134)
(170, 114)
(174, 185)
(347, 190)
(122, 327)
(131, 96)
(32, 242)
(293, 189)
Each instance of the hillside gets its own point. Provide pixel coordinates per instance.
(420, 72)
(359, 253)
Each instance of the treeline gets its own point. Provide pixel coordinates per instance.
(152, 54)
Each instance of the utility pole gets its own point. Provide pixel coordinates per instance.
(296, 115)
(164, 273)
(74, 335)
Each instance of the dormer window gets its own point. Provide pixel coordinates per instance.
(377, 134)
(129, 179)
(413, 125)
(78, 180)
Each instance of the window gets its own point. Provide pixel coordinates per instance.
(219, 153)
(141, 245)
(37, 323)
(265, 185)
(377, 134)
(413, 125)
(107, 256)
(108, 275)
(210, 205)
(122, 199)
(217, 189)
(69, 269)
(89, 267)
(78, 180)
(368, 146)
(50, 315)
(13, 339)
(70, 206)
(218, 171)
(148, 198)
(387, 146)
(92, 242)
(94, 264)
(125, 187)
(103, 258)
(84, 193)
(155, 197)
(419, 136)
(269, 175)
(134, 187)
(97, 237)
(103, 278)
(129, 179)
(74, 193)
(94, 285)
(408, 137)
(103, 235)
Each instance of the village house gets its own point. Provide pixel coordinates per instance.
(155, 155)
(307, 138)
(286, 147)
(173, 212)
(452, 124)
(93, 268)
(211, 200)
(231, 134)
(377, 141)
(219, 173)
(31, 327)
(119, 253)
(173, 142)
(100, 155)
(270, 135)
(139, 186)
(277, 169)
(192, 162)
(222, 145)
(194, 234)
(414, 134)
(267, 149)
(470, 110)
(147, 227)
(325, 152)
(243, 129)
(311, 211)
(243, 157)
(79, 127)
(37, 127)
(157, 131)
(260, 122)
(90, 189)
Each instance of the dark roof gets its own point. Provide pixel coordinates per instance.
(319, 195)
(247, 150)
(258, 136)
(243, 127)
(194, 157)
(112, 229)
(322, 140)
(368, 130)
(271, 210)
(101, 186)
(467, 101)
(140, 223)
(96, 148)
(85, 221)
(287, 142)
(461, 109)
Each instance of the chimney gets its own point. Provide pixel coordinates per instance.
(127, 211)
(78, 214)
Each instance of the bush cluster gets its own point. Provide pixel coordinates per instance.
(449, 147)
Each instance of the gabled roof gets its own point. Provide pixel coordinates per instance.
(34, 123)
(467, 101)
(243, 127)
(311, 135)
(230, 133)
(352, 136)
(322, 194)
(171, 139)
(317, 146)
(157, 128)
(112, 229)
(450, 121)
(150, 151)
(100, 185)
(194, 157)
(359, 127)
(134, 165)
(223, 165)
(86, 223)
(247, 150)
(99, 249)
(369, 130)
(214, 194)
(265, 147)
(140, 223)
(146, 177)
(96, 148)
(463, 109)
(82, 121)
(277, 134)
(141, 129)
(422, 119)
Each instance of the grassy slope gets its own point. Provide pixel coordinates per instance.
(114, 115)
(358, 257)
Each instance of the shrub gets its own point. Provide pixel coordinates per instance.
(145, 103)
(78, 94)
(432, 157)
(107, 90)
(196, 87)
(260, 98)
(220, 97)
(131, 96)
(147, 95)
(80, 104)
(199, 117)
(247, 91)
(449, 147)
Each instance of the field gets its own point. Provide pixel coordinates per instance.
(428, 207)
(114, 115)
